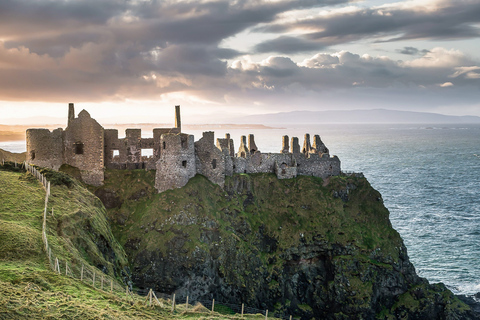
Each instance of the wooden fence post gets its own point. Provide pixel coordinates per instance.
(213, 305)
(81, 274)
(242, 309)
(102, 281)
(186, 304)
(57, 265)
(266, 315)
(93, 284)
(150, 295)
(111, 286)
(290, 317)
(173, 303)
(158, 302)
(66, 268)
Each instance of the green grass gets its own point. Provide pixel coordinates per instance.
(30, 289)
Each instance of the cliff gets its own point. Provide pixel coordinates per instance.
(309, 247)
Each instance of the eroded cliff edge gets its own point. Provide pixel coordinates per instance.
(309, 247)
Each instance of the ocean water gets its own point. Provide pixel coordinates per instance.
(428, 175)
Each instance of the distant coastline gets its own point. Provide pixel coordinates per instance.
(17, 132)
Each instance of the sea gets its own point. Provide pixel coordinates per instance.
(429, 178)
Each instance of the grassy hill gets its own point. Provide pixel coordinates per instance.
(77, 232)
(10, 156)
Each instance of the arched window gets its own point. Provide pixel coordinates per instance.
(32, 155)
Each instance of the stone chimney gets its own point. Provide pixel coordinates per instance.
(285, 145)
(178, 122)
(71, 113)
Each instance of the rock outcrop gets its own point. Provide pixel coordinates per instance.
(304, 247)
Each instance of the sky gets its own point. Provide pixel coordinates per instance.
(132, 61)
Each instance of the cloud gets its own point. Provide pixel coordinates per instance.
(436, 20)
(153, 50)
(467, 72)
(412, 51)
(446, 84)
(286, 44)
(90, 50)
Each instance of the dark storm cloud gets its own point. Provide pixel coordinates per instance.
(286, 44)
(107, 50)
(451, 20)
(88, 47)
(40, 25)
(412, 51)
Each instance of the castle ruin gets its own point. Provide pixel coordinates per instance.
(86, 145)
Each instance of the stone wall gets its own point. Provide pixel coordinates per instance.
(284, 171)
(84, 147)
(317, 166)
(210, 160)
(228, 149)
(45, 148)
(287, 165)
(129, 149)
(177, 161)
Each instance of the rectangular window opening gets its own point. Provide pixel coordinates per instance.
(78, 148)
(147, 153)
(184, 163)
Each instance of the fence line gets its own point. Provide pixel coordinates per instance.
(87, 274)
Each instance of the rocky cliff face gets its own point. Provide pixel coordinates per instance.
(303, 247)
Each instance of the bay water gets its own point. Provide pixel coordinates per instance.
(429, 178)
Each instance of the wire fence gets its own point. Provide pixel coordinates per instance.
(83, 271)
(99, 280)
(187, 302)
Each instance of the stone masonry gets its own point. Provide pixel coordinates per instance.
(86, 145)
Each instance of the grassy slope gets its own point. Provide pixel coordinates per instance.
(28, 288)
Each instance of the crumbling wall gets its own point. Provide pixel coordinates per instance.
(261, 162)
(177, 161)
(285, 171)
(308, 161)
(317, 166)
(84, 147)
(130, 148)
(210, 160)
(45, 148)
(228, 150)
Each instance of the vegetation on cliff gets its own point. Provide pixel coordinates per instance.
(303, 246)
